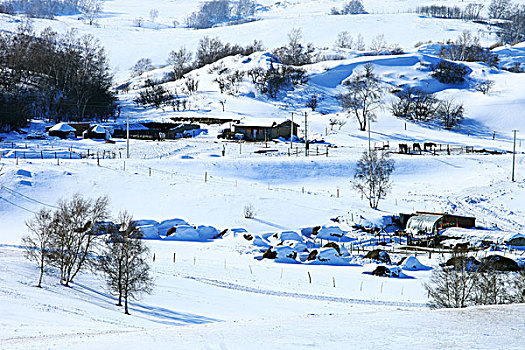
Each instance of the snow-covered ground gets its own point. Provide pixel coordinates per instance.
(216, 295)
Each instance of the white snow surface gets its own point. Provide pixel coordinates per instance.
(213, 293)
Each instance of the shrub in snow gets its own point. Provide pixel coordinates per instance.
(354, 7)
(249, 211)
(378, 255)
(391, 272)
(450, 73)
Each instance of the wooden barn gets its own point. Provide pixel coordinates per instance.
(265, 131)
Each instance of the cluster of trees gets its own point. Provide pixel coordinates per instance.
(378, 46)
(41, 8)
(73, 238)
(52, 76)
(221, 11)
(353, 7)
(468, 48)
(418, 105)
(470, 12)
(462, 285)
(90, 9)
(277, 78)
(295, 53)
(512, 30)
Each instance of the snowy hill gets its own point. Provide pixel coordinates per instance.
(213, 288)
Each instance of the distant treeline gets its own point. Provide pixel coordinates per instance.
(52, 76)
(471, 11)
(41, 8)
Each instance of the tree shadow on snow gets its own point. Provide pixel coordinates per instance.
(151, 313)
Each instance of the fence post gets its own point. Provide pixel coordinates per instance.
(309, 277)
(149, 171)
(205, 176)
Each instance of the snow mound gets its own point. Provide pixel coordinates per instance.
(291, 236)
(165, 225)
(259, 241)
(286, 255)
(412, 264)
(329, 256)
(22, 172)
(332, 233)
(190, 233)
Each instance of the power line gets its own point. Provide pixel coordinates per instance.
(18, 206)
(29, 198)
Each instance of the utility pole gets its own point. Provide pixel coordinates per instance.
(306, 134)
(291, 134)
(127, 137)
(514, 155)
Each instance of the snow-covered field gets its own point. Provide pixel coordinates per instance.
(215, 294)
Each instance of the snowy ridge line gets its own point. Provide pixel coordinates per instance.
(76, 335)
(28, 198)
(239, 287)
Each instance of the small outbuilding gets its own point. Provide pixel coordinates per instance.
(264, 131)
(517, 240)
(424, 224)
(97, 132)
(63, 130)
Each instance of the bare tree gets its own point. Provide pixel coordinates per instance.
(452, 286)
(74, 240)
(153, 14)
(181, 60)
(491, 288)
(450, 113)
(499, 9)
(37, 244)
(379, 44)
(123, 260)
(360, 43)
(363, 96)
(372, 176)
(344, 40)
(484, 86)
(91, 9)
(312, 102)
(142, 66)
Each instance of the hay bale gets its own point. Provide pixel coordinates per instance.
(248, 237)
(270, 254)
(469, 262)
(171, 231)
(379, 255)
(333, 245)
(312, 255)
(381, 271)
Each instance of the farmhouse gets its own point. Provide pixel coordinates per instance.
(265, 130)
(158, 130)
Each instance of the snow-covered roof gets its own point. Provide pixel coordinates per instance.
(424, 223)
(63, 127)
(261, 122)
(98, 129)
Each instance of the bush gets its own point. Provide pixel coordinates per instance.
(40, 8)
(449, 73)
(467, 48)
(142, 66)
(249, 211)
(154, 95)
(295, 53)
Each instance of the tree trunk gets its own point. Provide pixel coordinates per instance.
(126, 304)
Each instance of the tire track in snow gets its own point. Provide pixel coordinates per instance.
(242, 288)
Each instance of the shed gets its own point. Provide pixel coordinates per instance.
(263, 131)
(517, 240)
(424, 224)
(96, 132)
(62, 130)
